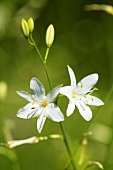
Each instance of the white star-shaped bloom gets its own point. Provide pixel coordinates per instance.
(79, 95)
(39, 105)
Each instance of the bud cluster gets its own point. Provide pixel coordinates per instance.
(27, 27)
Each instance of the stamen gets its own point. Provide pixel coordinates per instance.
(95, 88)
(37, 116)
(92, 98)
(74, 95)
(91, 91)
(84, 95)
(33, 102)
(44, 103)
(86, 101)
(81, 85)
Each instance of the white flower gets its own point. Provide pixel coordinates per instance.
(39, 105)
(80, 95)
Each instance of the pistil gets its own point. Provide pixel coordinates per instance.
(74, 95)
(45, 103)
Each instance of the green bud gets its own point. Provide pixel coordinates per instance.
(50, 35)
(31, 25)
(25, 28)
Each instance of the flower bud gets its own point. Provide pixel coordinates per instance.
(14, 143)
(31, 25)
(50, 35)
(91, 163)
(25, 28)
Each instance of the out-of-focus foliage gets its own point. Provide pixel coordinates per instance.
(84, 41)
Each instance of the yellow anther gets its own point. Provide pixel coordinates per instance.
(81, 85)
(92, 98)
(37, 116)
(44, 103)
(84, 95)
(74, 95)
(95, 88)
(33, 102)
(86, 101)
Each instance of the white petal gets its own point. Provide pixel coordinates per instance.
(70, 109)
(92, 100)
(25, 95)
(53, 93)
(72, 77)
(67, 91)
(84, 110)
(54, 113)
(87, 83)
(37, 88)
(41, 121)
(28, 111)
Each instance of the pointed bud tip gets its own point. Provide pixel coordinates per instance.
(50, 33)
(31, 25)
(25, 28)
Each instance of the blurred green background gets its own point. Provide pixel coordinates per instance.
(84, 41)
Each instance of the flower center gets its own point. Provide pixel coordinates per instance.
(44, 103)
(74, 95)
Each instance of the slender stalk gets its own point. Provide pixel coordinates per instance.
(46, 55)
(67, 146)
(44, 64)
(47, 76)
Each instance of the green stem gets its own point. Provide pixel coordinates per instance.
(67, 146)
(44, 64)
(97, 114)
(32, 42)
(47, 76)
(46, 55)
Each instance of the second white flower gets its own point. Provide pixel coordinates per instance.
(79, 95)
